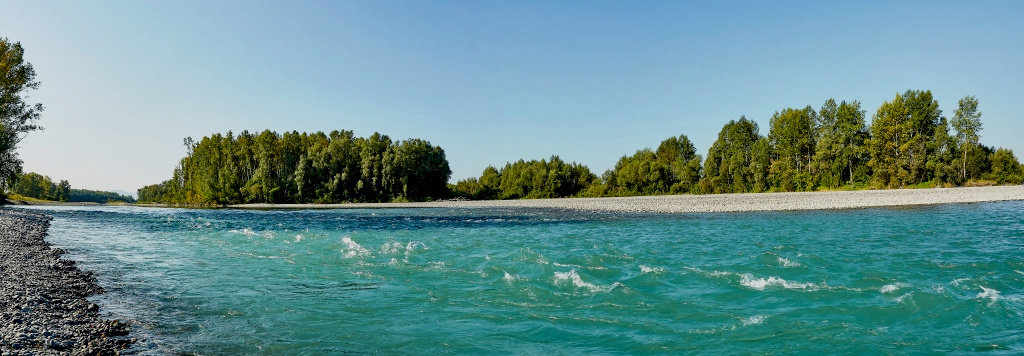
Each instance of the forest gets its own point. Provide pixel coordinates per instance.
(303, 168)
(38, 186)
(907, 144)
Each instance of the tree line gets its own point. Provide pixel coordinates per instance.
(303, 168)
(38, 186)
(908, 143)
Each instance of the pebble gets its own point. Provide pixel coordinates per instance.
(43, 306)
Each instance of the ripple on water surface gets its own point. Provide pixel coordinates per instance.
(929, 279)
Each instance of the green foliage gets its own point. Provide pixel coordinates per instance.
(1005, 168)
(908, 145)
(303, 168)
(17, 116)
(729, 161)
(841, 153)
(967, 123)
(792, 139)
(552, 178)
(673, 168)
(901, 146)
(35, 185)
(96, 196)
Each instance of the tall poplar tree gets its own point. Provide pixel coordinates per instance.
(902, 131)
(727, 167)
(792, 138)
(841, 151)
(967, 123)
(17, 115)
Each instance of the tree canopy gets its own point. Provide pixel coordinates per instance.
(303, 168)
(17, 115)
(907, 143)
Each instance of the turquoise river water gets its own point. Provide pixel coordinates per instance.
(936, 279)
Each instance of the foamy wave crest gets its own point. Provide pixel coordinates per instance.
(352, 249)
(754, 320)
(749, 281)
(648, 269)
(390, 248)
(245, 231)
(988, 293)
(785, 262)
(889, 288)
(511, 277)
(413, 245)
(578, 282)
(712, 274)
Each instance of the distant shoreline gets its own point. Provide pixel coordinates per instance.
(705, 203)
(712, 203)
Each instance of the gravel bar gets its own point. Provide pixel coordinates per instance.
(43, 306)
(712, 203)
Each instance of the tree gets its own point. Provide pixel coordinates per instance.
(841, 152)
(302, 167)
(727, 167)
(902, 131)
(17, 116)
(1005, 167)
(967, 123)
(63, 191)
(674, 168)
(792, 139)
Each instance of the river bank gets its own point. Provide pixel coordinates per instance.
(43, 305)
(712, 203)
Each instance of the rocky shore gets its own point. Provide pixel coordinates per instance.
(43, 306)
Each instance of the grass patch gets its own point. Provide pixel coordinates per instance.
(14, 196)
(980, 183)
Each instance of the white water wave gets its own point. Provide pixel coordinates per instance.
(390, 248)
(749, 281)
(246, 231)
(406, 248)
(574, 278)
(785, 262)
(988, 293)
(889, 288)
(352, 249)
(712, 274)
(556, 264)
(509, 278)
(648, 269)
(753, 320)
(903, 297)
(956, 282)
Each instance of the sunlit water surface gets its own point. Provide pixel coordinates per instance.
(944, 278)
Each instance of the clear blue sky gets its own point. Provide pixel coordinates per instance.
(125, 81)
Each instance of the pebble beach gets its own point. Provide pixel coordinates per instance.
(714, 203)
(43, 305)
